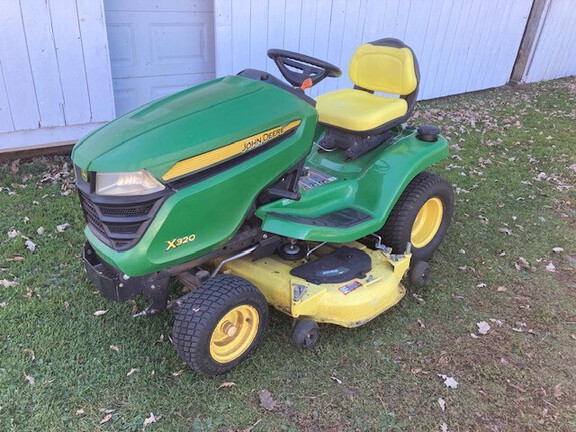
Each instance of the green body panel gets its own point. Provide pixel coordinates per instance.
(212, 209)
(188, 123)
(372, 184)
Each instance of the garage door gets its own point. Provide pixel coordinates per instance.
(158, 47)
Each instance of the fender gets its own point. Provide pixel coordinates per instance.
(370, 184)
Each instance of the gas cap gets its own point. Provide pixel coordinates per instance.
(428, 133)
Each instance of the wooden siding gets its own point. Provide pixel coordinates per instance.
(554, 52)
(54, 70)
(461, 45)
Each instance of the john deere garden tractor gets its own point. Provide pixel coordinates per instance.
(252, 193)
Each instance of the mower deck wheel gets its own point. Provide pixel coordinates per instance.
(419, 273)
(220, 324)
(305, 333)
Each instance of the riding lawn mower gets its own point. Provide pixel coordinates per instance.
(252, 193)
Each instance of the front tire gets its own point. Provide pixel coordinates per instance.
(421, 216)
(220, 324)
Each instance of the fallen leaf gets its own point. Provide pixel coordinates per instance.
(558, 391)
(267, 401)
(442, 404)
(106, 410)
(474, 336)
(63, 227)
(26, 219)
(481, 285)
(30, 379)
(29, 293)
(522, 263)
(106, 418)
(13, 233)
(501, 288)
(15, 258)
(444, 427)
(496, 321)
(30, 353)
(422, 325)
(80, 411)
(149, 420)
(15, 166)
(505, 231)
(418, 298)
(336, 379)
(3, 304)
(115, 348)
(7, 284)
(132, 371)
(550, 267)
(100, 312)
(178, 373)
(41, 230)
(483, 327)
(30, 245)
(226, 385)
(449, 381)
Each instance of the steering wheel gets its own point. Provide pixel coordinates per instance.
(303, 67)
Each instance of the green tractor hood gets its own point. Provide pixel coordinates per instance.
(192, 122)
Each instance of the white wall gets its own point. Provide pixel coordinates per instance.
(55, 82)
(461, 45)
(554, 51)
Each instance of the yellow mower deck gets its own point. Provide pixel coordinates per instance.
(348, 304)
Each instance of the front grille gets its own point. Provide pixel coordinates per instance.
(119, 222)
(141, 210)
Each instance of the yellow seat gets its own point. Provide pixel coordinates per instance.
(386, 66)
(358, 110)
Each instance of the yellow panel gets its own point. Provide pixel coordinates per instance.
(213, 157)
(346, 304)
(358, 110)
(383, 69)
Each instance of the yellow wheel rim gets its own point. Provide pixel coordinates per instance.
(427, 223)
(234, 333)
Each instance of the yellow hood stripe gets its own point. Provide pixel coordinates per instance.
(213, 157)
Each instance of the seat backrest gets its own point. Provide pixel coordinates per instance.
(386, 65)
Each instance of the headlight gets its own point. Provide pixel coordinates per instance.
(127, 183)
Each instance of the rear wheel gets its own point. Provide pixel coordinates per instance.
(220, 324)
(421, 216)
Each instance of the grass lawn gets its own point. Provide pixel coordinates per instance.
(509, 260)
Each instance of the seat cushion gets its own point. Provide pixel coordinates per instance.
(358, 110)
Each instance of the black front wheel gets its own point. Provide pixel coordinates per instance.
(220, 324)
(419, 273)
(421, 216)
(305, 333)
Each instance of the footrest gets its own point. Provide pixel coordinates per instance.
(344, 218)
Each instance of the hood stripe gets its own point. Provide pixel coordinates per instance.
(237, 148)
